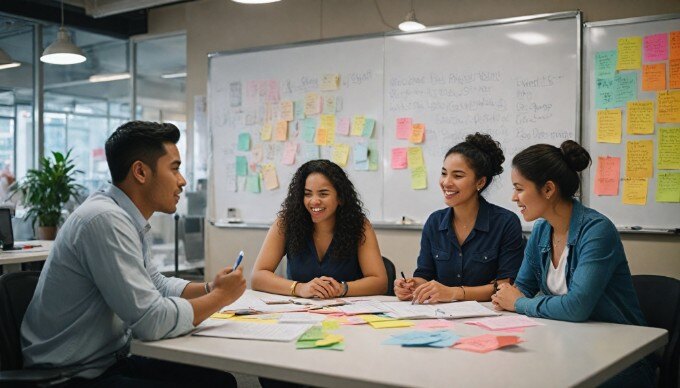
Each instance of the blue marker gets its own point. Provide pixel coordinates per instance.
(238, 261)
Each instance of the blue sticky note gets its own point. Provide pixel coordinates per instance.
(604, 93)
(369, 124)
(241, 166)
(308, 129)
(625, 88)
(310, 152)
(605, 64)
(244, 141)
(360, 152)
(253, 183)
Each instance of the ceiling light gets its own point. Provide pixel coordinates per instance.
(6, 62)
(62, 51)
(182, 74)
(410, 22)
(109, 77)
(255, 1)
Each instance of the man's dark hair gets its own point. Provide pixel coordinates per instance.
(137, 140)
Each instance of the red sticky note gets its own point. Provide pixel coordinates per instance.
(404, 125)
(399, 158)
(607, 175)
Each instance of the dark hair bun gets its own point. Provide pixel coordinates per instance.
(575, 155)
(491, 148)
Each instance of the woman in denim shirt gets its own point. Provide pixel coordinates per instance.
(471, 245)
(574, 257)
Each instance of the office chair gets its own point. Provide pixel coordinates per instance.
(16, 291)
(391, 275)
(659, 298)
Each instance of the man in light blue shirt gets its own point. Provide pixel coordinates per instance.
(99, 288)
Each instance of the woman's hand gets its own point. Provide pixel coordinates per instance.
(323, 287)
(403, 288)
(505, 297)
(433, 292)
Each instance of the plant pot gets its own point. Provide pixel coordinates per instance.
(47, 232)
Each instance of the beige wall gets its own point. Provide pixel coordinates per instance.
(222, 25)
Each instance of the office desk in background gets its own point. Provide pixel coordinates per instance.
(11, 260)
(559, 354)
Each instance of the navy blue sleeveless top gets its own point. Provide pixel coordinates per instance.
(305, 266)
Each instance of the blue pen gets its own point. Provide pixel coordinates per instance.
(238, 261)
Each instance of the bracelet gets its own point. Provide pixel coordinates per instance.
(206, 287)
(462, 289)
(292, 288)
(345, 287)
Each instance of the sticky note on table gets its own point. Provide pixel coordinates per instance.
(609, 126)
(415, 157)
(241, 166)
(434, 324)
(640, 120)
(340, 154)
(391, 324)
(668, 106)
(630, 53)
(404, 126)
(639, 155)
(669, 148)
(287, 110)
(654, 77)
(605, 64)
(655, 47)
(607, 175)
(358, 123)
(342, 126)
(281, 131)
(330, 82)
(486, 343)
(219, 315)
(399, 160)
(266, 132)
(419, 178)
(289, 151)
(253, 183)
(634, 191)
(314, 333)
(243, 141)
(668, 187)
(271, 180)
(417, 133)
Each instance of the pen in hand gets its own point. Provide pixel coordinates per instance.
(413, 300)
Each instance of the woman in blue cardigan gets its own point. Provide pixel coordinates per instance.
(574, 256)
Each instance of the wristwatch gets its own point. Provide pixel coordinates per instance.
(345, 288)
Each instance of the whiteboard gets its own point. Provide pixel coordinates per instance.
(517, 79)
(601, 37)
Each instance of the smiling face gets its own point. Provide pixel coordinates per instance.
(166, 183)
(531, 201)
(458, 181)
(321, 198)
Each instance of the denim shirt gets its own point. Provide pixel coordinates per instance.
(492, 250)
(599, 283)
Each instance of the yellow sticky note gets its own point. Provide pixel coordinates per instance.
(654, 77)
(329, 339)
(271, 180)
(340, 154)
(374, 318)
(330, 139)
(328, 122)
(390, 324)
(634, 191)
(639, 156)
(629, 53)
(609, 126)
(668, 187)
(321, 137)
(330, 324)
(668, 107)
(222, 315)
(669, 149)
(266, 132)
(330, 82)
(640, 120)
(417, 133)
(287, 110)
(414, 157)
(312, 104)
(418, 178)
(281, 130)
(254, 319)
(358, 123)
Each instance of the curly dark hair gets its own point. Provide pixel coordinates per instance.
(296, 222)
(484, 155)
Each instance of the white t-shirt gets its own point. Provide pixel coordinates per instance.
(557, 277)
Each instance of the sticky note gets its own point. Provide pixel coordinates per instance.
(391, 324)
(415, 157)
(330, 324)
(604, 93)
(654, 77)
(630, 53)
(340, 154)
(399, 160)
(253, 183)
(609, 126)
(668, 107)
(434, 324)
(634, 191)
(266, 132)
(669, 149)
(674, 45)
(668, 187)
(342, 126)
(308, 129)
(486, 343)
(222, 315)
(369, 125)
(310, 152)
(418, 178)
(289, 151)
(281, 131)
(607, 175)
(271, 180)
(373, 156)
(312, 104)
(257, 153)
(329, 340)
(640, 119)
(655, 47)
(674, 74)
(375, 318)
(639, 159)
(417, 133)
(329, 105)
(330, 82)
(243, 141)
(404, 125)
(314, 333)
(605, 64)
(287, 110)
(273, 91)
(625, 88)
(360, 152)
(299, 107)
(241, 166)
(321, 136)
(328, 122)
(358, 123)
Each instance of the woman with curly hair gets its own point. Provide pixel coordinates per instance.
(472, 245)
(331, 247)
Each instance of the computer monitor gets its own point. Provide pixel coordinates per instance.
(6, 233)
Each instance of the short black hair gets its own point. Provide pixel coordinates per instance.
(483, 154)
(137, 140)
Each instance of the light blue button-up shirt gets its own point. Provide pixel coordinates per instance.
(99, 287)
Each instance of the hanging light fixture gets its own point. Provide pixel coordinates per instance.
(6, 62)
(62, 51)
(410, 22)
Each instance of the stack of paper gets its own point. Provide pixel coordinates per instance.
(406, 310)
(317, 338)
(254, 331)
(434, 339)
(486, 343)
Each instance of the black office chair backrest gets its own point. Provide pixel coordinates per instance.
(16, 291)
(391, 275)
(659, 298)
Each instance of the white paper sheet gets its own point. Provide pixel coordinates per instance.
(406, 310)
(256, 331)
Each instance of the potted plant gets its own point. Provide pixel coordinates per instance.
(47, 190)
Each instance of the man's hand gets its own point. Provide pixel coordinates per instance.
(229, 284)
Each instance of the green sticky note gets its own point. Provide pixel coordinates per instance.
(605, 64)
(244, 141)
(308, 129)
(313, 334)
(373, 161)
(305, 344)
(369, 124)
(625, 88)
(668, 187)
(253, 183)
(604, 93)
(241, 166)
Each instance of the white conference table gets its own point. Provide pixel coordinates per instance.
(559, 354)
(11, 260)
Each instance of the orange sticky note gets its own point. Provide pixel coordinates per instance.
(417, 133)
(486, 343)
(654, 77)
(321, 137)
(607, 176)
(281, 130)
(674, 45)
(674, 74)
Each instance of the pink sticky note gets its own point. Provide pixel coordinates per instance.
(404, 125)
(607, 175)
(433, 324)
(504, 322)
(289, 153)
(342, 126)
(655, 47)
(486, 343)
(399, 160)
